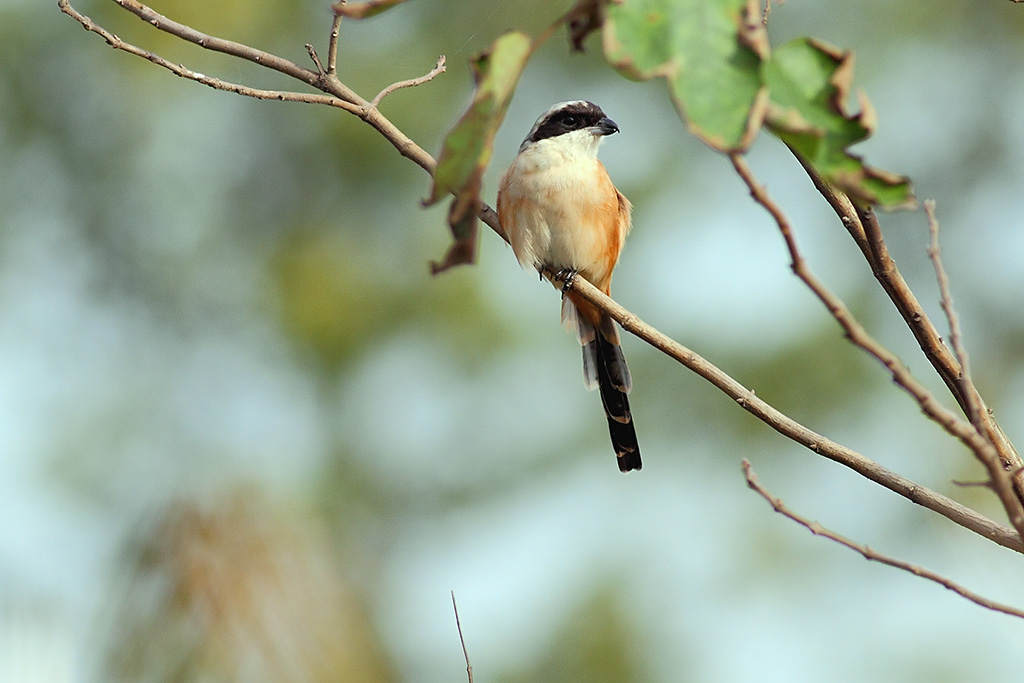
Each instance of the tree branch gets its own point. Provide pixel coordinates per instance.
(955, 336)
(433, 73)
(855, 332)
(316, 60)
(208, 42)
(975, 440)
(791, 429)
(215, 83)
(863, 226)
(338, 94)
(332, 46)
(869, 554)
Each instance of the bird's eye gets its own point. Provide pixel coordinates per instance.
(569, 121)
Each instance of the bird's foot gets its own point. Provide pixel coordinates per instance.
(567, 276)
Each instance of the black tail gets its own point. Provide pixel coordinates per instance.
(613, 381)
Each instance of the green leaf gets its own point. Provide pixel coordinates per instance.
(710, 53)
(810, 83)
(467, 148)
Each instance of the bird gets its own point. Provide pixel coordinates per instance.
(564, 216)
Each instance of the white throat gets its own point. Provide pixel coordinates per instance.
(576, 149)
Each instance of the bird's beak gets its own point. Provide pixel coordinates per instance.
(605, 127)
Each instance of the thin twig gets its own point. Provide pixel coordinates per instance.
(884, 268)
(465, 653)
(946, 301)
(208, 42)
(1002, 473)
(818, 530)
(439, 68)
(332, 45)
(972, 484)
(216, 83)
(316, 59)
(349, 100)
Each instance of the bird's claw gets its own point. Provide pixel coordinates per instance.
(567, 275)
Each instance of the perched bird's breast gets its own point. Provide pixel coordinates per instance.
(561, 210)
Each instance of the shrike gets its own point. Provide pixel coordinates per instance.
(563, 214)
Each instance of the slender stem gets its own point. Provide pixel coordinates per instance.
(332, 45)
(967, 387)
(208, 42)
(215, 83)
(439, 68)
(818, 530)
(465, 652)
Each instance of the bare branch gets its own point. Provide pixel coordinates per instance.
(973, 484)
(316, 60)
(889, 276)
(209, 42)
(465, 653)
(863, 226)
(946, 301)
(992, 448)
(854, 330)
(869, 554)
(790, 428)
(332, 46)
(439, 68)
(215, 83)
(979, 444)
(840, 203)
(343, 96)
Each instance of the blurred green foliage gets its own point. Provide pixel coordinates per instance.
(596, 644)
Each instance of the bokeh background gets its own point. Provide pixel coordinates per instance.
(244, 434)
